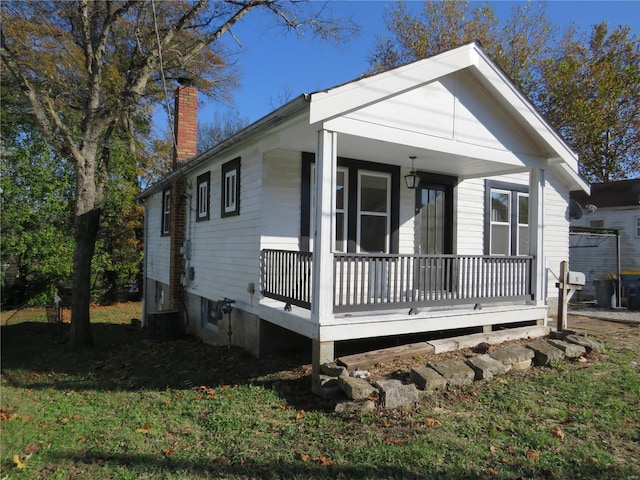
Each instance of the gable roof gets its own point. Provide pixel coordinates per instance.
(349, 97)
(326, 105)
(623, 193)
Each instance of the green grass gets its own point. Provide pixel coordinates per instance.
(130, 409)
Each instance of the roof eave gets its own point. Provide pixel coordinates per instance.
(277, 116)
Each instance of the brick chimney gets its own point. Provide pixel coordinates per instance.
(186, 123)
(186, 131)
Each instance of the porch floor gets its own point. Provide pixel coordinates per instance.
(356, 325)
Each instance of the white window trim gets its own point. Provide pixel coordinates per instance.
(203, 193)
(519, 225)
(493, 222)
(203, 201)
(638, 227)
(387, 214)
(230, 185)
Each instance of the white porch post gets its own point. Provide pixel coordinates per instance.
(322, 295)
(536, 234)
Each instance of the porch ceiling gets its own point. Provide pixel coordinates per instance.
(390, 153)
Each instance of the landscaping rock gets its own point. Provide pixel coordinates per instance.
(486, 367)
(455, 372)
(586, 342)
(356, 388)
(427, 378)
(397, 394)
(523, 365)
(362, 406)
(512, 354)
(545, 353)
(571, 350)
(333, 369)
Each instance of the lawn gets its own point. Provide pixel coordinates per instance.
(131, 409)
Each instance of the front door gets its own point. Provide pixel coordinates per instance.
(434, 237)
(434, 218)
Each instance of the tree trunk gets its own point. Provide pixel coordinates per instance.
(86, 233)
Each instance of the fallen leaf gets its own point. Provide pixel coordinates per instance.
(63, 421)
(493, 449)
(431, 422)
(533, 455)
(301, 414)
(593, 460)
(557, 432)
(168, 451)
(32, 447)
(492, 472)
(18, 461)
(324, 461)
(302, 456)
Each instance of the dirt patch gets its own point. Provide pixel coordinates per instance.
(617, 336)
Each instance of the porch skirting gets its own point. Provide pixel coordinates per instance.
(382, 323)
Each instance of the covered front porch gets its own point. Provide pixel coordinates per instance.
(369, 282)
(393, 294)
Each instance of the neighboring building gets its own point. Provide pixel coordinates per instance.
(615, 218)
(478, 243)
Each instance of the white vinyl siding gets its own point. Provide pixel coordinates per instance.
(156, 246)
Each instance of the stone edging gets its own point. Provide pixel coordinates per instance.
(363, 395)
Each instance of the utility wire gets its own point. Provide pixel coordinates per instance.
(164, 80)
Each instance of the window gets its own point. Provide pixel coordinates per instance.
(166, 212)
(507, 223)
(373, 212)
(342, 199)
(206, 310)
(366, 206)
(203, 183)
(637, 227)
(231, 188)
(595, 223)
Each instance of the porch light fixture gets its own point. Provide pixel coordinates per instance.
(412, 179)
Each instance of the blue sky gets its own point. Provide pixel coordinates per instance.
(276, 66)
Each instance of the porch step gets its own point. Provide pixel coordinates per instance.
(364, 360)
(361, 361)
(492, 338)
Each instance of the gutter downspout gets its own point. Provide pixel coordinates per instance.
(144, 263)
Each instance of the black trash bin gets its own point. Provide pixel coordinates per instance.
(632, 293)
(604, 292)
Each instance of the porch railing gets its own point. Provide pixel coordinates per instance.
(385, 281)
(286, 276)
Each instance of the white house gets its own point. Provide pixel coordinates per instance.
(306, 221)
(607, 237)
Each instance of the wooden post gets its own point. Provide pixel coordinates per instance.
(562, 297)
(565, 291)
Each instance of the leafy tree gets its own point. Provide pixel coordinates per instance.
(222, 127)
(588, 88)
(89, 69)
(439, 26)
(591, 93)
(35, 222)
